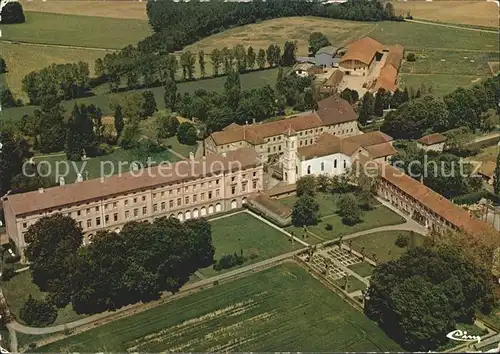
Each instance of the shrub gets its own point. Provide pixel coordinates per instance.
(329, 227)
(402, 241)
(37, 313)
(105, 149)
(228, 261)
(411, 57)
(8, 273)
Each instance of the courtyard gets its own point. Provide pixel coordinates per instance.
(244, 233)
(376, 217)
(282, 308)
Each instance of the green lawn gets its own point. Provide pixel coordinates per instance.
(73, 30)
(383, 244)
(17, 290)
(364, 269)
(379, 216)
(255, 79)
(327, 202)
(279, 309)
(118, 161)
(353, 284)
(245, 232)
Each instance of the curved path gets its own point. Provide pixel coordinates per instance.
(105, 317)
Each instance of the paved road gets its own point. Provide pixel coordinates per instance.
(452, 26)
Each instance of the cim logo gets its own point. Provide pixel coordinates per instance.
(462, 336)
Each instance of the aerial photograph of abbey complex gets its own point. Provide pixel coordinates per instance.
(249, 176)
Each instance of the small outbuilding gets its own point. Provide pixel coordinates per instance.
(324, 56)
(432, 142)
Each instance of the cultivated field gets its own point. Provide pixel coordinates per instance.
(445, 70)
(278, 31)
(72, 30)
(383, 244)
(232, 235)
(478, 13)
(23, 59)
(98, 8)
(280, 309)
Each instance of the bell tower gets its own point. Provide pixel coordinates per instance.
(290, 157)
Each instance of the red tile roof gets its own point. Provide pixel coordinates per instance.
(435, 202)
(157, 176)
(334, 110)
(331, 110)
(432, 139)
(328, 144)
(362, 50)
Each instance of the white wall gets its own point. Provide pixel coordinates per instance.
(314, 165)
(435, 147)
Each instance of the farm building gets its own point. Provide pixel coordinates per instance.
(325, 56)
(360, 56)
(302, 69)
(332, 83)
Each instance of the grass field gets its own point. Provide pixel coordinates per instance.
(96, 166)
(23, 59)
(383, 244)
(231, 235)
(17, 290)
(278, 31)
(353, 284)
(73, 30)
(479, 13)
(114, 9)
(255, 79)
(379, 216)
(364, 269)
(279, 309)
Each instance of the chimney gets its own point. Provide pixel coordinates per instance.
(224, 154)
(79, 177)
(253, 120)
(191, 156)
(41, 190)
(62, 182)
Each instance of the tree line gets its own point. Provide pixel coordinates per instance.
(57, 81)
(146, 259)
(464, 107)
(137, 69)
(234, 105)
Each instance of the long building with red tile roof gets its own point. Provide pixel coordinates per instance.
(424, 205)
(333, 115)
(186, 189)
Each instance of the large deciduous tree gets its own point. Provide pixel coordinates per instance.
(186, 134)
(349, 209)
(317, 40)
(305, 211)
(306, 185)
(12, 12)
(52, 245)
(418, 298)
